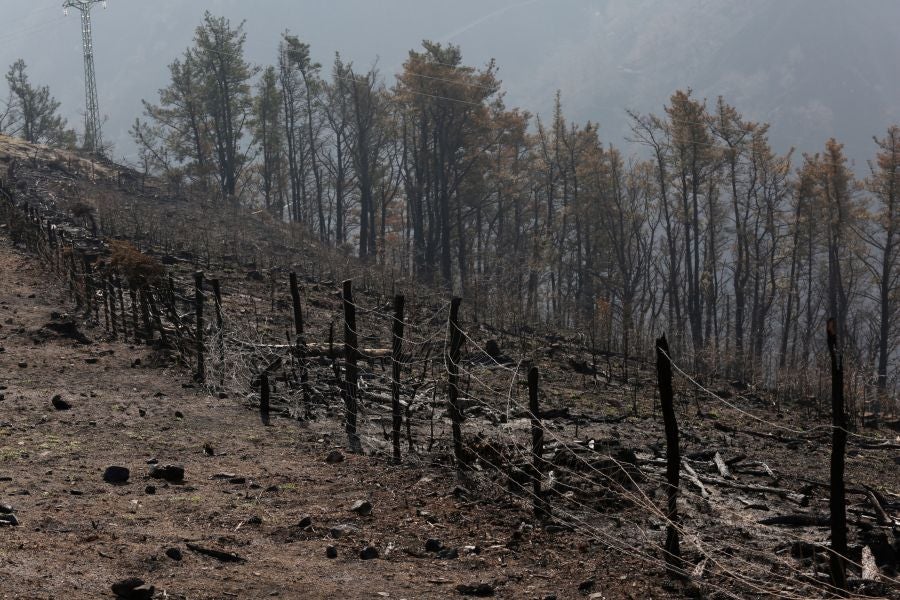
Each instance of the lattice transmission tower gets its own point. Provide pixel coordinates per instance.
(93, 140)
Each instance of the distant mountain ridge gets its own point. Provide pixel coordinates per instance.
(812, 68)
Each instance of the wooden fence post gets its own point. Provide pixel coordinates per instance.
(122, 313)
(156, 315)
(145, 313)
(396, 362)
(452, 359)
(111, 294)
(102, 287)
(837, 499)
(264, 397)
(295, 300)
(351, 374)
(672, 551)
(537, 443)
(200, 375)
(135, 328)
(220, 334)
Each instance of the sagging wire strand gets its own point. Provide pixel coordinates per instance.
(644, 502)
(801, 432)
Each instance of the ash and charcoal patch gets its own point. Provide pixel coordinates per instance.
(64, 327)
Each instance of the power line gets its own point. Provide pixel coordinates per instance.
(25, 32)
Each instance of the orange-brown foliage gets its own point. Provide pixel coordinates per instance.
(133, 264)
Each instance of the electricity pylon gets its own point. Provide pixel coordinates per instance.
(92, 138)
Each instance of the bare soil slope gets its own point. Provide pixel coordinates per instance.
(246, 488)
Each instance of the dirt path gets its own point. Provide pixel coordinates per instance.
(77, 534)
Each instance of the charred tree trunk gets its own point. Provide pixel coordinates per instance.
(671, 550)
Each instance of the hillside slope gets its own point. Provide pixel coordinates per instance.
(755, 462)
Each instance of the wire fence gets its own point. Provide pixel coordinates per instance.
(346, 361)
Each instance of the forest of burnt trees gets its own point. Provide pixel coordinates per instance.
(739, 253)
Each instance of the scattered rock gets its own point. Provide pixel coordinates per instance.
(341, 530)
(208, 450)
(171, 473)
(150, 489)
(133, 588)
(60, 404)
(586, 586)
(362, 508)
(368, 553)
(481, 590)
(23, 365)
(10, 520)
(331, 552)
(174, 553)
(448, 554)
(254, 520)
(335, 456)
(179, 414)
(116, 475)
(433, 545)
(6, 509)
(91, 361)
(305, 522)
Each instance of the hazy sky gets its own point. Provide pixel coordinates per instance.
(134, 40)
(814, 68)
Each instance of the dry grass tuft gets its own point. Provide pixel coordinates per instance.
(133, 264)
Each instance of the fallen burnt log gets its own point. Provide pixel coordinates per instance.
(797, 520)
(796, 497)
(316, 349)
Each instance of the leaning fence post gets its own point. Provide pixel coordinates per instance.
(396, 350)
(673, 459)
(537, 443)
(452, 359)
(351, 374)
(264, 397)
(198, 306)
(837, 500)
(156, 315)
(295, 300)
